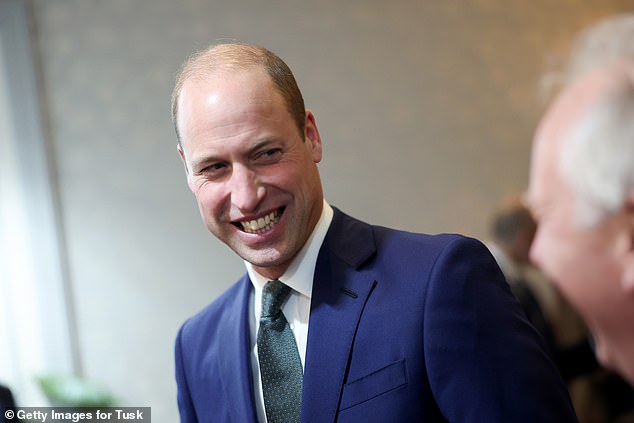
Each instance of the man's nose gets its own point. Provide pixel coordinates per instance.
(247, 191)
(535, 250)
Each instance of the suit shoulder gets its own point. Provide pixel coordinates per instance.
(214, 313)
(356, 241)
(412, 243)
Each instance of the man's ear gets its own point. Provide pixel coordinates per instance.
(627, 280)
(312, 137)
(181, 153)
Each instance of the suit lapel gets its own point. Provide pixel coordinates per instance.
(235, 357)
(340, 292)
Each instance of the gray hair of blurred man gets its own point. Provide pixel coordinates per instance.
(608, 40)
(597, 159)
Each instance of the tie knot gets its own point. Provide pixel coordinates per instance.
(274, 294)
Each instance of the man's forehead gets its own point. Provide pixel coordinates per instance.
(212, 89)
(544, 169)
(547, 187)
(581, 95)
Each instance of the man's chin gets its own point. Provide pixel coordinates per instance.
(628, 373)
(263, 259)
(624, 368)
(610, 360)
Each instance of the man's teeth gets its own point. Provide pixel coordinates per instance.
(262, 224)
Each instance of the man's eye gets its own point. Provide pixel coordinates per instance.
(214, 168)
(268, 155)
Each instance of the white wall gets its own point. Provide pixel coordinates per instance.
(426, 110)
(36, 314)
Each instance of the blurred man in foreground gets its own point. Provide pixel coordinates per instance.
(513, 230)
(582, 189)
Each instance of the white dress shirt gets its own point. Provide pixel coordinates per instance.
(299, 276)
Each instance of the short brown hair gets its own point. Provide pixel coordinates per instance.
(240, 56)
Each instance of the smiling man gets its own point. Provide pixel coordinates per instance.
(335, 319)
(252, 170)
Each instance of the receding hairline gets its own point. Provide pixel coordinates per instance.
(222, 56)
(238, 56)
(213, 59)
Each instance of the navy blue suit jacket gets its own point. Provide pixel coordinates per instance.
(403, 328)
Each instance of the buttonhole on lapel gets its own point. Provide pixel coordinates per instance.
(349, 293)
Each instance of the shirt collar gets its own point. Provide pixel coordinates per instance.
(300, 273)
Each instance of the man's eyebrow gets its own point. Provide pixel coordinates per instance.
(536, 209)
(199, 163)
(527, 201)
(265, 142)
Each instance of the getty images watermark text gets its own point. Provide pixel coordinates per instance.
(79, 414)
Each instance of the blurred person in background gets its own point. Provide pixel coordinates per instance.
(6, 403)
(512, 232)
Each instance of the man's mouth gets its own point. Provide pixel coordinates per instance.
(262, 224)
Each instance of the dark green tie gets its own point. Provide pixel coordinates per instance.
(280, 366)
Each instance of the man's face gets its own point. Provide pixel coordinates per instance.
(253, 173)
(585, 262)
